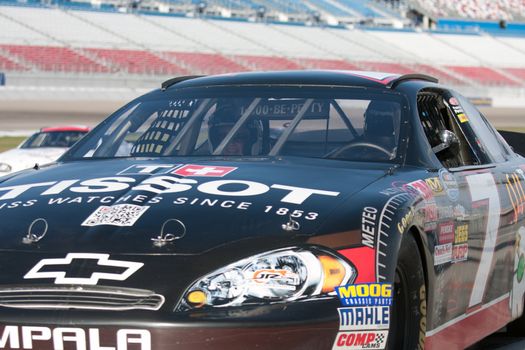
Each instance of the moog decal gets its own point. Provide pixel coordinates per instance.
(365, 294)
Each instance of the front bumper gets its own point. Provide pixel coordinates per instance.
(163, 337)
(307, 325)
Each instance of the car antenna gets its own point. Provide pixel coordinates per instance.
(36, 167)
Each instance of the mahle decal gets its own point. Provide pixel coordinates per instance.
(364, 318)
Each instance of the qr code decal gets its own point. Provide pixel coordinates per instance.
(116, 215)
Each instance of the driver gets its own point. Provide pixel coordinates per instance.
(380, 118)
(378, 141)
(244, 142)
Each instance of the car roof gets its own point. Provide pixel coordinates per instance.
(300, 77)
(66, 128)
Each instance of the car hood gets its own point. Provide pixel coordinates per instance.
(20, 159)
(144, 206)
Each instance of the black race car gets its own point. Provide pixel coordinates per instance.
(277, 210)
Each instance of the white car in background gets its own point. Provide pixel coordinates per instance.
(42, 147)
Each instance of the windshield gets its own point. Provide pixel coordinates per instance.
(53, 139)
(339, 123)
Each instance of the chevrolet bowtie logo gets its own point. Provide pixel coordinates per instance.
(100, 269)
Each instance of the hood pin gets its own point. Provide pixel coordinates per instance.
(291, 225)
(33, 237)
(178, 229)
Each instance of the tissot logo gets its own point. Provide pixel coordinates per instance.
(94, 267)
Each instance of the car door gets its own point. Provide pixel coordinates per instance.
(480, 207)
(502, 233)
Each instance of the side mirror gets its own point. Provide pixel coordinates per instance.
(449, 140)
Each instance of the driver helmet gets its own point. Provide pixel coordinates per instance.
(246, 141)
(379, 120)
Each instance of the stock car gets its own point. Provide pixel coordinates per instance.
(273, 210)
(44, 146)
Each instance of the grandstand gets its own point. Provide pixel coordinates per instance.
(83, 41)
(510, 10)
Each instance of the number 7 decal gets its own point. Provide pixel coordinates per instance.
(483, 188)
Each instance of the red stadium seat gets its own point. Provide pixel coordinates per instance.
(204, 63)
(317, 63)
(385, 67)
(266, 62)
(483, 75)
(517, 72)
(103, 60)
(7, 64)
(135, 61)
(49, 58)
(443, 76)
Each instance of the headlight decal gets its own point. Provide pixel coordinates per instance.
(281, 275)
(364, 260)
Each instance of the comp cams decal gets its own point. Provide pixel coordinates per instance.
(358, 340)
(59, 338)
(59, 269)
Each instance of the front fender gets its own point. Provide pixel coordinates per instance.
(369, 228)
